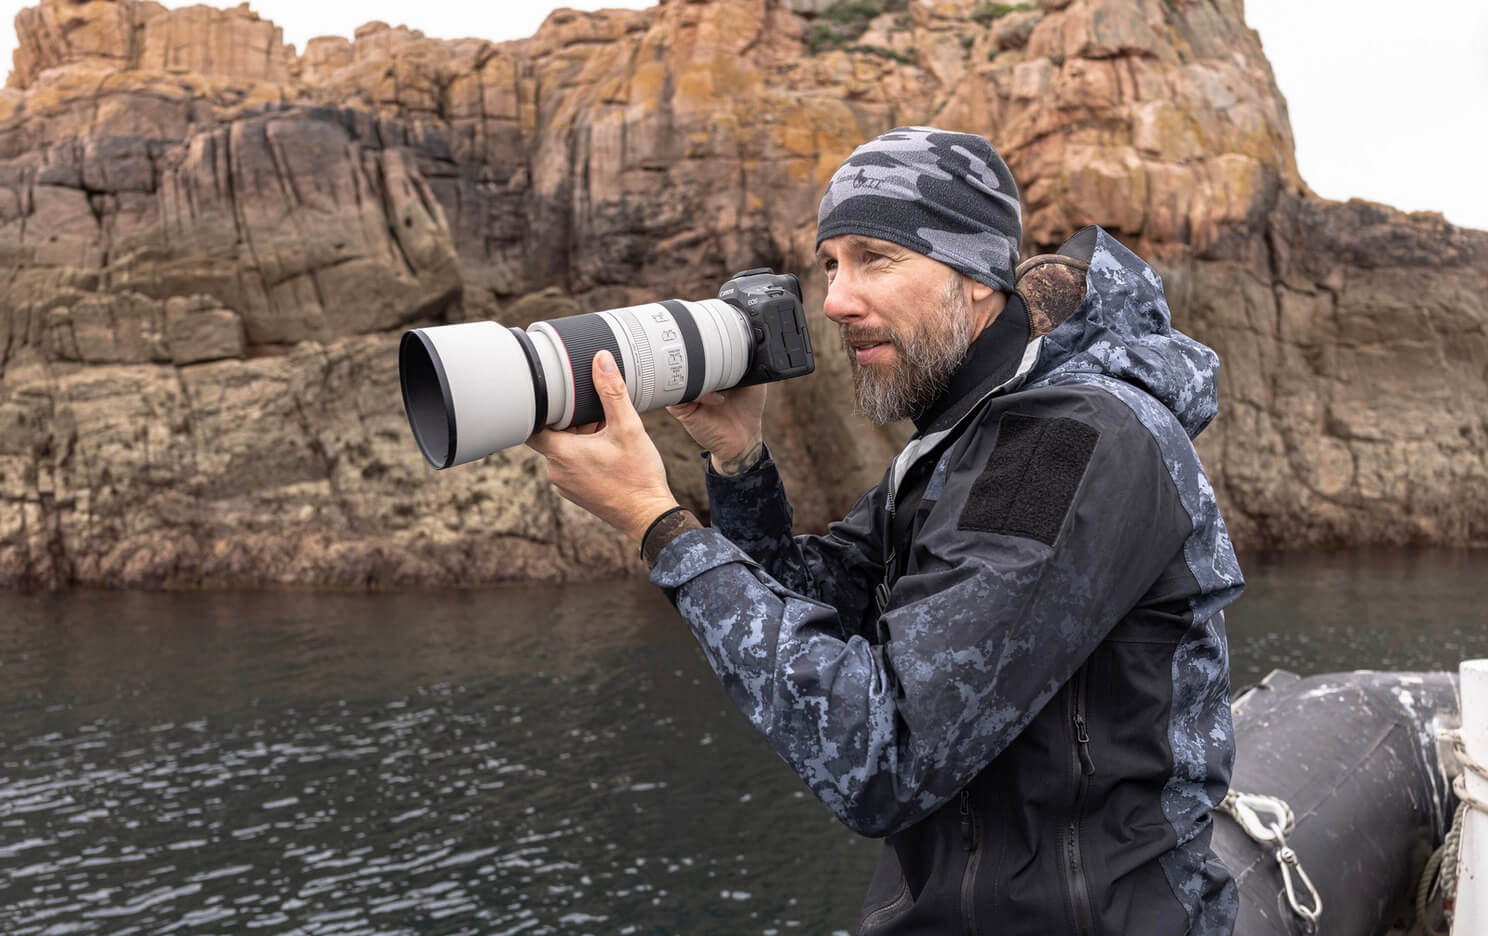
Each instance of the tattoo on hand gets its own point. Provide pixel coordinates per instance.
(737, 466)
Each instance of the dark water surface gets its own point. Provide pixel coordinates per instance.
(515, 761)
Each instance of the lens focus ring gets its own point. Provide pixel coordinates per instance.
(645, 358)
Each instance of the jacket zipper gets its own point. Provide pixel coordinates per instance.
(968, 878)
(872, 921)
(1083, 767)
(881, 593)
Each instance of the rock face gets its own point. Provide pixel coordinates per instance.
(209, 245)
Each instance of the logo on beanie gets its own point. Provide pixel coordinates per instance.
(861, 180)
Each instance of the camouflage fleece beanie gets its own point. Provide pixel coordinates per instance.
(946, 195)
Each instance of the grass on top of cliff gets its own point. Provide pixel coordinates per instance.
(986, 14)
(839, 25)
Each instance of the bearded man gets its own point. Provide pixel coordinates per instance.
(1009, 659)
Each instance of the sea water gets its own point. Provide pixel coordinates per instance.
(533, 760)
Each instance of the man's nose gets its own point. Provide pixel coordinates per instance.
(844, 302)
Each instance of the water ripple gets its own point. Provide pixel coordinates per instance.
(544, 762)
(485, 799)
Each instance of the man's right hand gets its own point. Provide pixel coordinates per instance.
(729, 424)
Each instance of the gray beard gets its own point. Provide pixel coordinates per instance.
(924, 361)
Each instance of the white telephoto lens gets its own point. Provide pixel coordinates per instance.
(468, 390)
(479, 387)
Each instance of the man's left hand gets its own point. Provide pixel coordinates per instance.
(612, 468)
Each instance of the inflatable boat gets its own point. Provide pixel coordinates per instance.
(1340, 795)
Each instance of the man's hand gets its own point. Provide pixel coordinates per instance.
(729, 424)
(611, 469)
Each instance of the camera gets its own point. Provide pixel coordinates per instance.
(478, 387)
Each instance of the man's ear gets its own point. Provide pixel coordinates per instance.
(984, 297)
(986, 303)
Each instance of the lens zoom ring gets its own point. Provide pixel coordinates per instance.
(584, 336)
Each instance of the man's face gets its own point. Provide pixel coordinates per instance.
(906, 322)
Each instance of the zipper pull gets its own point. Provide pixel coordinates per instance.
(1083, 740)
(968, 841)
(881, 597)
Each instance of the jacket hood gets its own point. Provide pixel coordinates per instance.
(1123, 329)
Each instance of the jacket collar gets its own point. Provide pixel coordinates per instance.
(999, 358)
(995, 357)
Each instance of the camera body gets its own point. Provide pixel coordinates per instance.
(777, 320)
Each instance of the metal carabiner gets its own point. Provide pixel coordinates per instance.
(1286, 858)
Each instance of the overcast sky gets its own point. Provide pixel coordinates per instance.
(1388, 99)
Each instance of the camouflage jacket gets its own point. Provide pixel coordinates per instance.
(1018, 675)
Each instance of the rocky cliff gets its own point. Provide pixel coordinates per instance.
(209, 244)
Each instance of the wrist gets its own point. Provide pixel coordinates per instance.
(665, 528)
(740, 462)
(646, 514)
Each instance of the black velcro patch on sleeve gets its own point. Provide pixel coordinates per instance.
(1031, 478)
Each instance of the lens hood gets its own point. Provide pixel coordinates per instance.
(468, 390)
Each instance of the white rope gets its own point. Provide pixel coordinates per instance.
(1269, 820)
